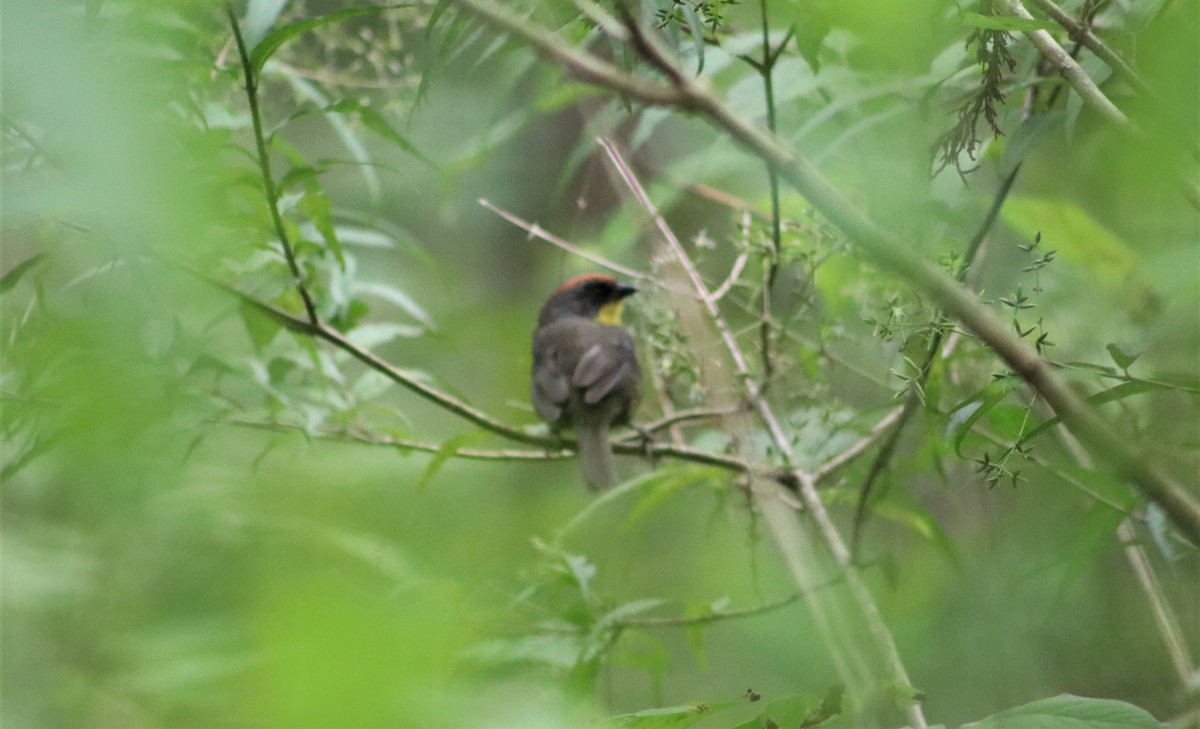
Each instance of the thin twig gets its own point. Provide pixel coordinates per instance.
(1083, 34)
(839, 461)
(766, 70)
(739, 263)
(365, 438)
(264, 164)
(536, 231)
(683, 416)
(554, 444)
(1070, 69)
(723, 615)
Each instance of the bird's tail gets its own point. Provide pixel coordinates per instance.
(595, 455)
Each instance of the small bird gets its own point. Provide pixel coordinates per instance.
(585, 369)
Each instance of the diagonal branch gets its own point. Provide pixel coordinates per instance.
(536, 231)
(1070, 69)
(1082, 33)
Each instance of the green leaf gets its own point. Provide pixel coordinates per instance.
(436, 15)
(830, 706)
(696, 27)
(670, 717)
(271, 43)
(581, 571)
(13, 277)
(1112, 394)
(921, 522)
(316, 207)
(261, 328)
(789, 711)
(369, 336)
(395, 296)
(556, 650)
(963, 417)
(812, 24)
(1005, 22)
(1027, 136)
(658, 489)
(378, 124)
(1071, 712)
(445, 453)
(630, 609)
(260, 16)
(1120, 357)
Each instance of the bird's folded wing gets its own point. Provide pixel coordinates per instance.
(600, 369)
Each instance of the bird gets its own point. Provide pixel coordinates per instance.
(586, 374)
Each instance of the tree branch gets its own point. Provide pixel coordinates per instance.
(1084, 34)
(1071, 71)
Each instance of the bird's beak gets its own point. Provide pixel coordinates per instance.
(624, 289)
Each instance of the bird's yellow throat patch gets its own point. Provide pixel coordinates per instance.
(610, 313)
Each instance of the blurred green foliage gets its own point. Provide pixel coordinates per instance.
(195, 533)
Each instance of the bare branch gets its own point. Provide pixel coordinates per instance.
(1084, 34)
(1071, 71)
(536, 231)
(839, 461)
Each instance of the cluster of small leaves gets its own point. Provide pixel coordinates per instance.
(995, 471)
(673, 357)
(895, 317)
(573, 630)
(290, 380)
(709, 13)
(995, 60)
(1020, 301)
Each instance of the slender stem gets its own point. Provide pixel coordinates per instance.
(717, 616)
(264, 163)
(1070, 69)
(536, 231)
(839, 461)
(766, 69)
(1082, 33)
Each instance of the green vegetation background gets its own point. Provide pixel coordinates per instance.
(164, 566)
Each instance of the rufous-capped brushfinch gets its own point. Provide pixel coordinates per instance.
(585, 369)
